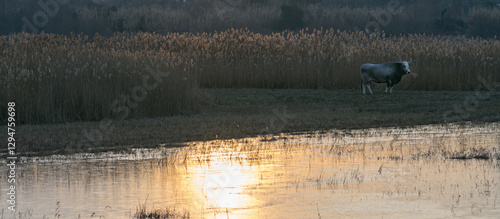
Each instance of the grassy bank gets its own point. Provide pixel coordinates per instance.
(235, 113)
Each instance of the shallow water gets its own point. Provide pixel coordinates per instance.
(370, 173)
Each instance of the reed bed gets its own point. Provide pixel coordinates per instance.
(57, 78)
(331, 59)
(54, 78)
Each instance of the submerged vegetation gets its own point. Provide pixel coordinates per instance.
(387, 166)
(57, 78)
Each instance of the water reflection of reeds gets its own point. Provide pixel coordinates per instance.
(434, 166)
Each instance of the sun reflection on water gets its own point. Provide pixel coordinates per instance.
(221, 183)
(426, 172)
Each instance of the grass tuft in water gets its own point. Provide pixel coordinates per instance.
(143, 213)
(475, 153)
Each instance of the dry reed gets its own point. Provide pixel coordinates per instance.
(331, 59)
(54, 78)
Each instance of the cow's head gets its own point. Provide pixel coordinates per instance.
(406, 66)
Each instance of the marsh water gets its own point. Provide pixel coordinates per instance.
(424, 172)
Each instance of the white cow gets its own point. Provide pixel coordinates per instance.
(389, 73)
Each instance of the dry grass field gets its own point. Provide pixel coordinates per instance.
(56, 78)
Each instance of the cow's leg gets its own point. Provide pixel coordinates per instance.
(363, 85)
(369, 89)
(388, 86)
(390, 90)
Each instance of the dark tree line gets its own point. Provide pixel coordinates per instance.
(474, 18)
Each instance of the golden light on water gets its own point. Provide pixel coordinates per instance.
(428, 172)
(222, 184)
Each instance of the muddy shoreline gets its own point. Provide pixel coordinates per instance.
(238, 113)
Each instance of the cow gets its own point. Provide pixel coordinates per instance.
(389, 73)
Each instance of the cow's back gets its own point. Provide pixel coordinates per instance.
(376, 71)
(366, 67)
